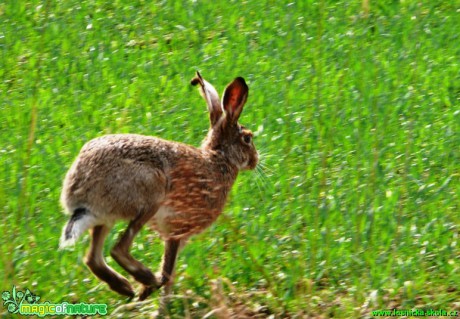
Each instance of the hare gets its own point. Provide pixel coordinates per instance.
(176, 189)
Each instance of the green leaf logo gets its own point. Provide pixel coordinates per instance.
(14, 299)
(6, 295)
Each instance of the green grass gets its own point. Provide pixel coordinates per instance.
(357, 116)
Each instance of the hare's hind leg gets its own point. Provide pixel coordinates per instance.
(95, 261)
(122, 256)
(172, 247)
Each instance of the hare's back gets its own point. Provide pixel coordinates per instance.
(129, 146)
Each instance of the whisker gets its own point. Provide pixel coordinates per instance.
(262, 162)
(258, 183)
(261, 179)
(265, 169)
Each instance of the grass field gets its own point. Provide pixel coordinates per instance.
(355, 105)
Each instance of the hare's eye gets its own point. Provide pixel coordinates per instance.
(247, 139)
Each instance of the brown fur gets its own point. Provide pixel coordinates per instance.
(179, 190)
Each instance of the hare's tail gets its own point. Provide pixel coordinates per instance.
(80, 221)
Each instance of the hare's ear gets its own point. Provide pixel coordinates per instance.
(209, 93)
(235, 96)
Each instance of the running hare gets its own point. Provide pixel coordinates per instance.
(177, 189)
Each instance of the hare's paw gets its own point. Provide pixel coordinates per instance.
(122, 286)
(146, 291)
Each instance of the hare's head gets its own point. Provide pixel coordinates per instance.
(226, 135)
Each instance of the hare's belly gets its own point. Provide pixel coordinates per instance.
(171, 223)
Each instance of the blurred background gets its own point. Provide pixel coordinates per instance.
(355, 108)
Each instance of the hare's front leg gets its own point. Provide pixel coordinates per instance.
(121, 254)
(96, 263)
(167, 270)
